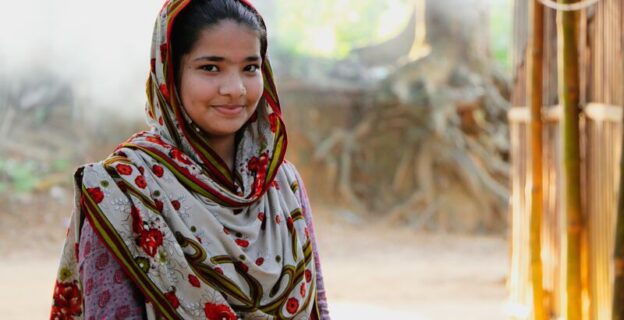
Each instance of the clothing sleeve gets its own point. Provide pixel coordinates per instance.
(307, 214)
(108, 292)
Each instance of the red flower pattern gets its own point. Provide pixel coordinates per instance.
(259, 261)
(242, 243)
(158, 170)
(292, 305)
(101, 261)
(140, 182)
(96, 194)
(103, 298)
(118, 277)
(308, 275)
(156, 140)
(179, 156)
(194, 281)
(176, 204)
(258, 165)
(159, 205)
(261, 216)
(150, 240)
(302, 290)
(289, 223)
(137, 221)
(173, 299)
(67, 301)
(124, 169)
(219, 312)
(275, 185)
(242, 266)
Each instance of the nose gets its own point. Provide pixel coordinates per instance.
(233, 86)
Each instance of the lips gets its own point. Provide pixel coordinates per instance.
(229, 109)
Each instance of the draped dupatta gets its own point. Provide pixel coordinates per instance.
(200, 241)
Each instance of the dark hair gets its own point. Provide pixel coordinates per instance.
(201, 14)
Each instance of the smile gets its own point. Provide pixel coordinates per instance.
(229, 110)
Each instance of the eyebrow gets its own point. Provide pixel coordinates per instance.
(221, 59)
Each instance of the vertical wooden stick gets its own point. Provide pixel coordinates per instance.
(569, 94)
(534, 94)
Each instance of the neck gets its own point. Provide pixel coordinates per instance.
(224, 147)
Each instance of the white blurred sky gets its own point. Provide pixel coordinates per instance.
(102, 47)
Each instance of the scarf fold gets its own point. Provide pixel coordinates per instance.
(198, 240)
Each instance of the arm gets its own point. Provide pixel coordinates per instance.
(307, 213)
(108, 293)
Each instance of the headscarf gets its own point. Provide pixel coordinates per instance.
(198, 240)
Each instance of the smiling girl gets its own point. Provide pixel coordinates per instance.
(200, 217)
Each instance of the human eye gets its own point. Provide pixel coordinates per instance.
(209, 68)
(252, 68)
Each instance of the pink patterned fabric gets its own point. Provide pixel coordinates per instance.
(109, 294)
(320, 285)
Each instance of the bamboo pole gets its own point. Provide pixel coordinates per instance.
(618, 286)
(534, 93)
(569, 93)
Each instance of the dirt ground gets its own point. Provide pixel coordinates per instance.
(371, 271)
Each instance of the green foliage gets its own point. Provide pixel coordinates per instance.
(331, 28)
(17, 176)
(60, 165)
(501, 32)
(23, 176)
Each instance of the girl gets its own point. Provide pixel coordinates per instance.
(200, 217)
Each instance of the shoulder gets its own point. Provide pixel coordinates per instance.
(291, 175)
(289, 168)
(87, 172)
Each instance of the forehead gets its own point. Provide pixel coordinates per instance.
(227, 39)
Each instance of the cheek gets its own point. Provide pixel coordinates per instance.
(196, 90)
(255, 87)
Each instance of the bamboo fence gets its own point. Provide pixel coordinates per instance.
(601, 42)
(602, 132)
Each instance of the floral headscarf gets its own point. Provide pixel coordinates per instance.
(198, 240)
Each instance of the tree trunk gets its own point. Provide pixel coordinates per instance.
(569, 97)
(464, 21)
(618, 286)
(534, 88)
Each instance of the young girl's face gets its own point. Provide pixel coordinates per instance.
(220, 79)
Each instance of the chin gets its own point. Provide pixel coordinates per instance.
(223, 132)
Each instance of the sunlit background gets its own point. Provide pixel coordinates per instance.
(396, 111)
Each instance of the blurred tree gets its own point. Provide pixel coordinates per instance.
(330, 28)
